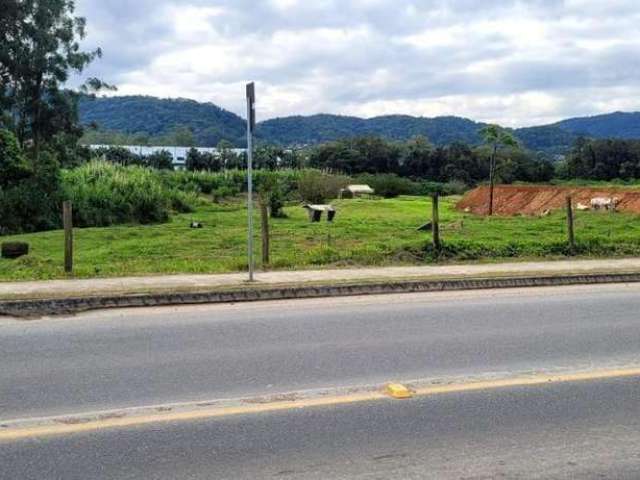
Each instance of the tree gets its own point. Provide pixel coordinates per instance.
(162, 160)
(225, 153)
(39, 48)
(292, 159)
(416, 158)
(13, 165)
(269, 188)
(181, 136)
(496, 137)
(29, 194)
(267, 157)
(119, 155)
(195, 161)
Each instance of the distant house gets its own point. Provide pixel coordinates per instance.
(353, 191)
(179, 154)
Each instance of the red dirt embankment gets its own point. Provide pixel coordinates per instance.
(534, 200)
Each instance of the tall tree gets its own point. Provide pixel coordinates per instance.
(226, 153)
(39, 49)
(496, 137)
(416, 159)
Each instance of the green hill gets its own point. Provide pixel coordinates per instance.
(156, 119)
(612, 125)
(323, 128)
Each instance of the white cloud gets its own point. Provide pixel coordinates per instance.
(511, 61)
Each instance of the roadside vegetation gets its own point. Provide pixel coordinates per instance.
(365, 232)
(134, 214)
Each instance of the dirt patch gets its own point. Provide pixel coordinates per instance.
(534, 200)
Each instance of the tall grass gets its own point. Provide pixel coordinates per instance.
(106, 194)
(229, 183)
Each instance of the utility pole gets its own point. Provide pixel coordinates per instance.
(251, 124)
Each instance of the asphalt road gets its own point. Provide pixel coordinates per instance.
(116, 359)
(113, 359)
(582, 430)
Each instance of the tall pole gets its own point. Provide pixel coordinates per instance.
(251, 118)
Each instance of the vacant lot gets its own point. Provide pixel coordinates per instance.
(535, 199)
(366, 232)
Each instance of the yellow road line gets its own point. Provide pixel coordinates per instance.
(204, 413)
(537, 379)
(59, 427)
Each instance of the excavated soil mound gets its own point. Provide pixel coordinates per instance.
(534, 200)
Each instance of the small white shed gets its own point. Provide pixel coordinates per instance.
(353, 191)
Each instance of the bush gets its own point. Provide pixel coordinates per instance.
(183, 202)
(105, 194)
(29, 191)
(389, 185)
(270, 191)
(161, 160)
(319, 187)
(119, 155)
(13, 164)
(14, 249)
(450, 188)
(198, 161)
(221, 193)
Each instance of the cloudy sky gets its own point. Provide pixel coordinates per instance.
(513, 62)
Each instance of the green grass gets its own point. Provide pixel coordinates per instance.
(366, 232)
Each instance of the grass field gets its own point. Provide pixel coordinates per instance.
(366, 232)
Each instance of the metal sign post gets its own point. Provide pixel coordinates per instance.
(251, 124)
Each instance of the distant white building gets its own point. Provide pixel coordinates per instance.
(353, 191)
(179, 153)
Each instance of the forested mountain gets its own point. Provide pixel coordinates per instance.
(613, 125)
(156, 119)
(549, 138)
(323, 128)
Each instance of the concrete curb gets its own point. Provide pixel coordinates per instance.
(67, 306)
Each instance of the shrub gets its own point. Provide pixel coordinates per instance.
(14, 249)
(119, 155)
(198, 161)
(105, 194)
(183, 202)
(315, 186)
(161, 160)
(270, 191)
(389, 185)
(13, 164)
(221, 193)
(29, 191)
(450, 188)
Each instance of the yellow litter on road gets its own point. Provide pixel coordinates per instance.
(397, 390)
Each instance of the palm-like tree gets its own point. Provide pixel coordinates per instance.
(496, 137)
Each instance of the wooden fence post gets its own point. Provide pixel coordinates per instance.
(435, 222)
(67, 220)
(264, 214)
(570, 233)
